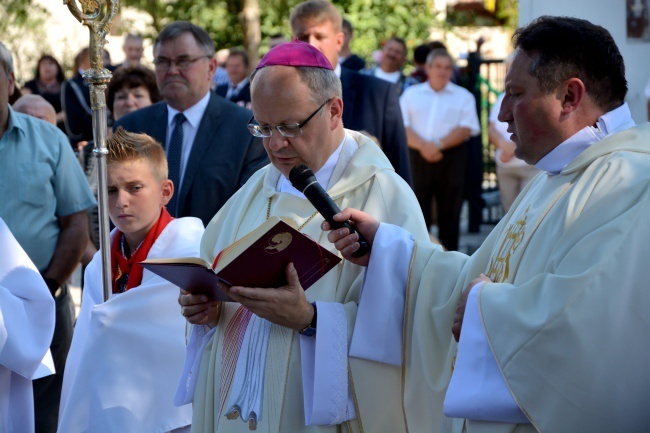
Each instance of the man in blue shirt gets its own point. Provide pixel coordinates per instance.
(44, 200)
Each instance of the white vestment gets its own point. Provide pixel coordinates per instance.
(127, 353)
(26, 328)
(363, 180)
(565, 315)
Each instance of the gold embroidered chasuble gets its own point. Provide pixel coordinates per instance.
(563, 316)
(368, 183)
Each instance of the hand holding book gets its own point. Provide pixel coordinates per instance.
(199, 309)
(259, 259)
(285, 306)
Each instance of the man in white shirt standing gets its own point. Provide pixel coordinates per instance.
(439, 117)
(550, 311)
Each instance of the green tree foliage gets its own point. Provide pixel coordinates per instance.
(19, 14)
(508, 12)
(374, 20)
(20, 22)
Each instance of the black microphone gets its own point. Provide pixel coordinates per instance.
(303, 179)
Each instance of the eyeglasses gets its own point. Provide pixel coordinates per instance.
(182, 62)
(287, 130)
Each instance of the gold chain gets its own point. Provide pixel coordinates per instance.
(268, 215)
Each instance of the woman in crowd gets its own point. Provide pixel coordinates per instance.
(130, 89)
(47, 83)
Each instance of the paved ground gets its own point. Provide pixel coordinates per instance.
(468, 243)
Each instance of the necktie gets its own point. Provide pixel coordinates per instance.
(174, 161)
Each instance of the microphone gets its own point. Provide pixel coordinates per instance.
(303, 179)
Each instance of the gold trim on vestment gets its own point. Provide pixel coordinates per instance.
(499, 266)
(518, 262)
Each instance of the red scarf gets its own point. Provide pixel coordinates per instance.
(129, 270)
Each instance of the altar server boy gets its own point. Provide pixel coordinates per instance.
(127, 353)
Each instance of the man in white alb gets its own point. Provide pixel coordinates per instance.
(279, 361)
(551, 310)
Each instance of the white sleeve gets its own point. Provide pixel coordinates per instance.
(328, 397)
(494, 111)
(403, 105)
(469, 116)
(198, 339)
(477, 389)
(26, 309)
(377, 334)
(380, 318)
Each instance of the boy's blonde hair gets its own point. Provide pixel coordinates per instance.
(126, 146)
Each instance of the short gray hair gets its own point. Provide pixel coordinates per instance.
(438, 52)
(322, 83)
(6, 59)
(177, 28)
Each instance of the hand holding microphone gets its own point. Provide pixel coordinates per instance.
(303, 179)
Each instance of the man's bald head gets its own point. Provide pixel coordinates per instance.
(37, 106)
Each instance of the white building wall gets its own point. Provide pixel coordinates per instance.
(611, 15)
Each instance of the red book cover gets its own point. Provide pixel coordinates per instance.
(259, 259)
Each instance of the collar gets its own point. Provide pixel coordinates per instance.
(194, 114)
(337, 70)
(447, 88)
(619, 119)
(241, 84)
(323, 176)
(14, 121)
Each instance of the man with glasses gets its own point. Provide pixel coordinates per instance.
(210, 152)
(371, 104)
(278, 357)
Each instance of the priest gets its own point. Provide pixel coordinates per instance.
(551, 310)
(26, 329)
(277, 359)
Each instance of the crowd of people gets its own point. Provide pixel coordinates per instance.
(535, 332)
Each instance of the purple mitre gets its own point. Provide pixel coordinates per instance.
(296, 53)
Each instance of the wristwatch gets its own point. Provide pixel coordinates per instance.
(310, 330)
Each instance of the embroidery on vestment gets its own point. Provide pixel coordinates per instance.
(499, 267)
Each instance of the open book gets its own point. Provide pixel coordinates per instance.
(258, 259)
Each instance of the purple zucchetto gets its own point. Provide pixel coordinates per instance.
(296, 53)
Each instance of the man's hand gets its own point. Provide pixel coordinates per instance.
(285, 306)
(199, 309)
(347, 243)
(462, 303)
(430, 152)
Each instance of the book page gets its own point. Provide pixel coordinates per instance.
(181, 261)
(231, 252)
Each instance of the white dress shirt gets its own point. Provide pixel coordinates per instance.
(433, 115)
(234, 90)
